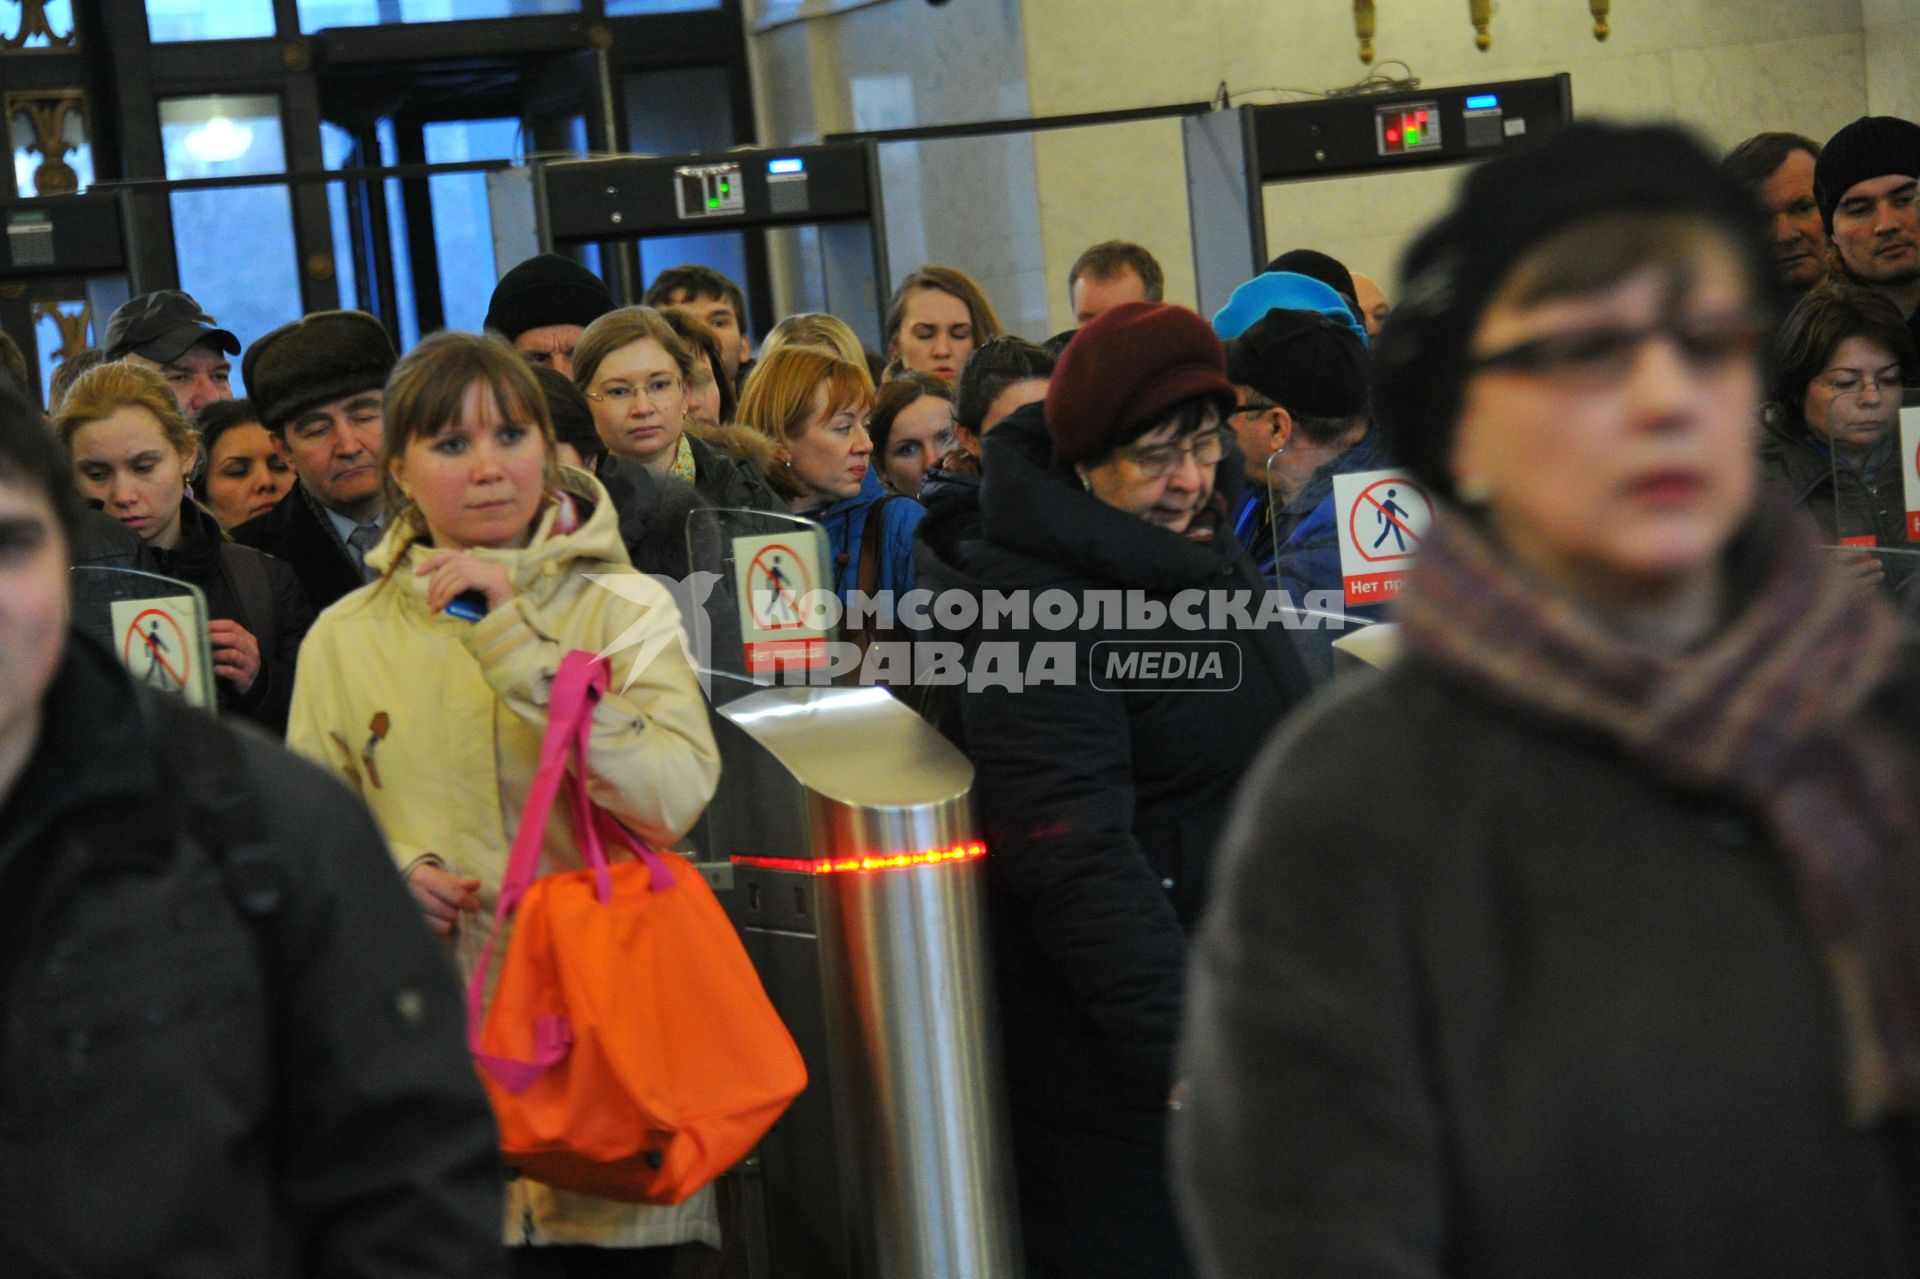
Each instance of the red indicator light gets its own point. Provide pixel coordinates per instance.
(846, 865)
(1393, 135)
(1422, 117)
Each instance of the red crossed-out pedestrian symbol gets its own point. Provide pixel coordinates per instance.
(776, 581)
(155, 648)
(1398, 512)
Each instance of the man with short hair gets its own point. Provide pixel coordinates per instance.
(229, 1046)
(1304, 417)
(714, 300)
(543, 305)
(166, 331)
(1372, 300)
(1865, 181)
(318, 383)
(1109, 274)
(1778, 169)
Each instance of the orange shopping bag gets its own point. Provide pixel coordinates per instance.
(629, 1050)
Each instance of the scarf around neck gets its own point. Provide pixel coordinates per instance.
(1774, 710)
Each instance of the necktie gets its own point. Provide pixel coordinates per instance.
(363, 539)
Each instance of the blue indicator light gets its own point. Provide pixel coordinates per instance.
(786, 166)
(1483, 102)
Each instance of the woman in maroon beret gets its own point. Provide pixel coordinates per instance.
(1104, 770)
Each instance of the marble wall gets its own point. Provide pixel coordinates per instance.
(1728, 68)
(1017, 211)
(904, 63)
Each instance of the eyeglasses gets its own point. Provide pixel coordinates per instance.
(1854, 384)
(1602, 356)
(1162, 460)
(659, 393)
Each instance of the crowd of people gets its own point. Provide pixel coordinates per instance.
(1580, 941)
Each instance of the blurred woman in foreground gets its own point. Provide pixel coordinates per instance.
(1582, 942)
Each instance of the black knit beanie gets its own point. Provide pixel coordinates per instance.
(543, 290)
(1506, 207)
(1307, 363)
(1873, 146)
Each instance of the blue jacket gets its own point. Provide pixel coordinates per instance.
(846, 522)
(1308, 557)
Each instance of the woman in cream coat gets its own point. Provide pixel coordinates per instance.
(437, 721)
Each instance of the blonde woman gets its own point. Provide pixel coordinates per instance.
(132, 450)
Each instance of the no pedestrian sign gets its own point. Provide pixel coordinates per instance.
(775, 574)
(1384, 516)
(162, 642)
(1910, 475)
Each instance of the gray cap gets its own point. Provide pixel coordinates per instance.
(161, 326)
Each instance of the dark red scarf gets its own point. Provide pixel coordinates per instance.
(1776, 710)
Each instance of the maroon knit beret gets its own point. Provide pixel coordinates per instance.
(1125, 369)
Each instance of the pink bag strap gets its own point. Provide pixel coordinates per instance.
(577, 687)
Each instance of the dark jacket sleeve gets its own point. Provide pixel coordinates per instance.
(1306, 1143)
(388, 1158)
(271, 696)
(1054, 781)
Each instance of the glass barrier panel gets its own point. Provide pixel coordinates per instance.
(156, 626)
(767, 617)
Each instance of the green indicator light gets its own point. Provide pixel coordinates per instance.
(713, 203)
(1413, 137)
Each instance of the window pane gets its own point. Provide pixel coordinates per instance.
(208, 19)
(462, 224)
(407, 314)
(630, 8)
(316, 15)
(235, 246)
(336, 152)
(677, 113)
(60, 18)
(47, 337)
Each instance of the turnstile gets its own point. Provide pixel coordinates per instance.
(1232, 155)
(834, 187)
(856, 880)
(857, 889)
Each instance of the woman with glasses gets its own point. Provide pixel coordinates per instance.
(1583, 941)
(1832, 440)
(1127, 703)
(636, 372)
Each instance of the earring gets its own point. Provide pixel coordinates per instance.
(1086, 482)
(189, 490)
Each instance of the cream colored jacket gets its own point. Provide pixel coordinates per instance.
(437, 723)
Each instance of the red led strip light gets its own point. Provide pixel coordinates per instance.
(844, 865)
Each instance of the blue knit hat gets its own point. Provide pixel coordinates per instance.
(1284, 291)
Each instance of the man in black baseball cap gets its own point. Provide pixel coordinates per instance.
(1865, 182)
(166, 331)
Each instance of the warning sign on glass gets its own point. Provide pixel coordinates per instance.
(1383, 517)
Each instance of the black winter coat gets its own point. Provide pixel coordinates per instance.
(298, 533)
(653, 516)
(207, 560)
(1101, 808)
(729, 482)
(190, 1090)
(1483, 999)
